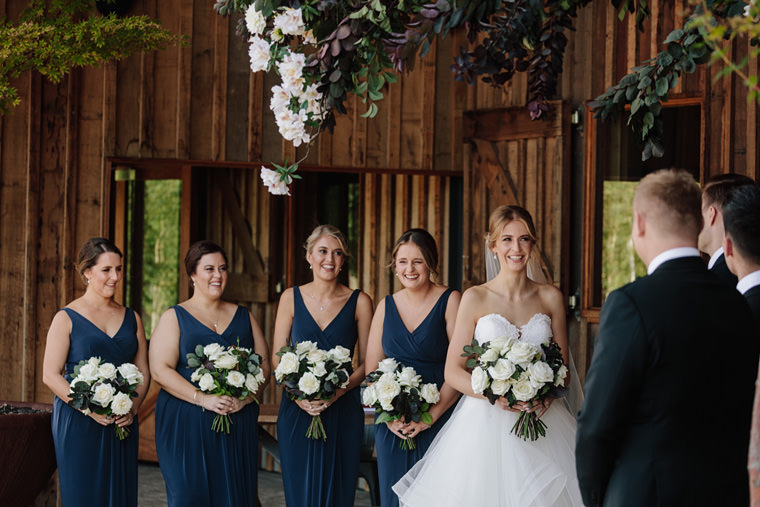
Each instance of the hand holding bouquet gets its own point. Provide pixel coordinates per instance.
(105, 389)
(518, 371)
(310, 373)
(397, 393)
(226, 371)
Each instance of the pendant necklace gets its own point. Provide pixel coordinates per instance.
(321, 305)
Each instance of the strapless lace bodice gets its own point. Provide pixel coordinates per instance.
(538, 330)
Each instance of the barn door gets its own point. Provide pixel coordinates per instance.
(514, 160)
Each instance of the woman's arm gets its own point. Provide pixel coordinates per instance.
(283, 323)
(456, 373)
(363, 323)
(141, 361)
(56, 351)
(375, 352)
(449, 395)
(261, 348)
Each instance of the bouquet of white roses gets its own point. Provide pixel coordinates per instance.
(105, 389)
(309, 373)
(518, 371)
(397, 392)
(232, 371)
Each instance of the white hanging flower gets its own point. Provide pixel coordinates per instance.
(258, 51)
(289, 22)
(280, 99)
(292, 126)
(276, 187)
(308, 37)
(255, 20)
(291, 72)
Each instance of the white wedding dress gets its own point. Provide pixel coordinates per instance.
(476, 459)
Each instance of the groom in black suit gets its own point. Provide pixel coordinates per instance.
(710, 241)
(669, 393)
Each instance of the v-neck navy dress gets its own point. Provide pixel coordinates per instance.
(424, 349)
(317, 473)
(200, 466)
(94, 466)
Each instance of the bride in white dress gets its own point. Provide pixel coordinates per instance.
(476, 459)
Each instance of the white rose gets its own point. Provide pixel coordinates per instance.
(479, 380)
(387, 388)
(260, 377)
(235, 378)
(103, 394)
(523, 389)
(226, 361)
(387, 365)
(252, 383)
(107, 370)
(386, 404)
(318, 369)
(317, 356)
(131, 373)
(289, 21)
(206, 383)
(561, 374)
(94, 361)
(303, 348)
(258, 52)
(489, 355)
(213, 351)
(121, 404)
(522, 353)
(288, 364)
(369, 396)
(408, 377)
(502, 370)
(500, 387)
(255, 20)
(430, 393)
(196, 375)
(89, 372)
(308, 384)
(340, 355)
(541, 372)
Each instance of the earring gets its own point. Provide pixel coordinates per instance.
(193, 284)
(494, 257)
(88, 281)
(309, 266)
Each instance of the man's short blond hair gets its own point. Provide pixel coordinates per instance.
(670, 199)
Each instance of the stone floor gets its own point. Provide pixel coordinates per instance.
(152, 493)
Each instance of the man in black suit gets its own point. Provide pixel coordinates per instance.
(668, 400)
(741, 217)
(710, 241)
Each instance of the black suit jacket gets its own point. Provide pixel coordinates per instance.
(720, 268)
(753, 298)
(669, 394)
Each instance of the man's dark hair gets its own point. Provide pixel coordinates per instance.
(741, 220)
(716, 190)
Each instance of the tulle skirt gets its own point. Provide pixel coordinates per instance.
(477, 460)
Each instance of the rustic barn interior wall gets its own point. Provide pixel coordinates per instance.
(200, 102)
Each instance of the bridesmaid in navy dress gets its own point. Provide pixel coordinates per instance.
(200, 466)
(317, 473)
(94, 466)
(412, 326)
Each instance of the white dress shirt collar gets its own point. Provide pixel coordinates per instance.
(749, 281)
(714, 258)
(673, 253)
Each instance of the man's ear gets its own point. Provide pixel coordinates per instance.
(639, 224)
(712, 215)
(728, 247)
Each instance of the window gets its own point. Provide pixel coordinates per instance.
(613, 168)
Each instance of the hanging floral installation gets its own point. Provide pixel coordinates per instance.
(323, 50)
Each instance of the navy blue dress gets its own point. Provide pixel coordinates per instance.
(317, 473)
(424, 349)
(94, 466)
(200, 466)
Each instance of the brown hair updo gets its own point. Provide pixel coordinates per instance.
(425, 242)
(91, 251)
(198, 250)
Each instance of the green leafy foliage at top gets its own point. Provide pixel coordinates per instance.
(53, 37)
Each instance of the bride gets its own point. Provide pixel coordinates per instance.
(475, 459)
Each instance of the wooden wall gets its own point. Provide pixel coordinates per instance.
(201, 102)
